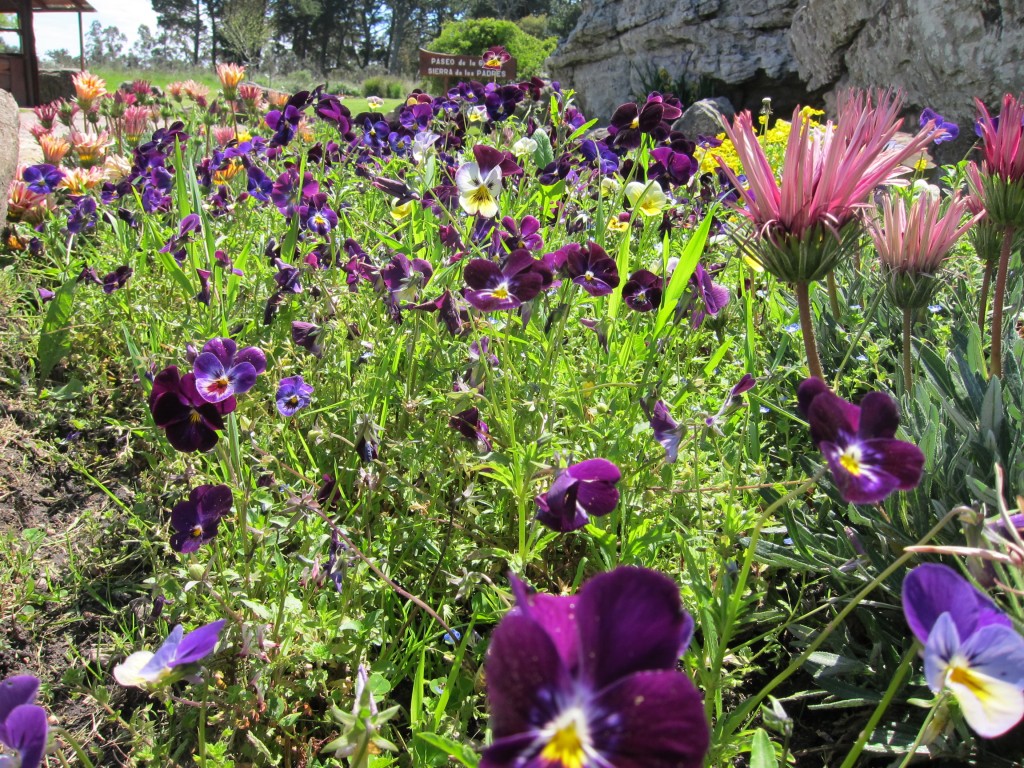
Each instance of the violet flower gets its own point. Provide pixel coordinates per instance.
(643, 291)
(469, 424)
(223, 371)
(42, 179)
(731, 402)
(591, 268)
(23, 724)
(491, 287)
(195, 521)
(582, 490)
(712, 297)
(591, 679)
(307, 336)
(944, 130)
(667, 431)
(970, 647)
(190, 422)
(867, 461)
(144, 669)
(293, 394)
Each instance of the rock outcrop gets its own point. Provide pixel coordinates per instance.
(738, 49)
(942, 54)
(8, 148)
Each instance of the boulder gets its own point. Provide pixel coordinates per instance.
(705, 117)
(941, 54)
(8, 148)
(733, 48)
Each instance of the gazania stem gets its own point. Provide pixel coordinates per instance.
(986, 284)
(908, 370)
(999, 299)
(803, 301)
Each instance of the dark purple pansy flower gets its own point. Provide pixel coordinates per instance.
(23, 724)
(867, 461)
(223, 371)
(590, 680)
(491, 287)
(666, 430)
(307, 336)
(317, 216)
(82, 216)
(600, 329)
(204, 295)
(117, 279)
(591, 268)
(196, 520)
(582, 490)
(525, 234)
(469, 424)
(643, 291)
(367, 438)
(186, 229)
(676, 168)
(951, 130)
(293, 394)
(191, 423)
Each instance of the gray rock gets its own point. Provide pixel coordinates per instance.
(8, 147)
(733, 48)
(705, 117)
(941, 54)
(56, 84)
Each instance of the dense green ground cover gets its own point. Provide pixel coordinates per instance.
(402, 570)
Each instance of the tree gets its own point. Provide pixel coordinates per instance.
(246, 28)
(183, 19)
(104, 45)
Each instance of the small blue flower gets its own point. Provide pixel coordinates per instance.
(293, 394)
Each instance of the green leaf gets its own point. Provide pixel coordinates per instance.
(543, 155)
(992, 407)
(681, 274)
(453, 749)
(54, 339)
(762, 751)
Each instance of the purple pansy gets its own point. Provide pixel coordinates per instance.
(643, 291)
(195, 521)
(191, 423)
(666, 430)
(710, 296)
(43, 178)
(970, 647)
(307, 336)
(591, 679)
(469, 424)
(949, 129)
(145, 668)
(731, 401)
(293, 394)
(491, 287)
(867, 461)
(582, 490)
(23, 724)
(223, 371)
(591, 268)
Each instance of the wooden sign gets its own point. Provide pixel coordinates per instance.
(453, 66)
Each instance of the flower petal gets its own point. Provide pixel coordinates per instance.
(932, 589)
(198, 644)
(630, 620)
(15, 691)
(525, 676)
(26, 728)
(990, 689)
(879, 416)
(161, 660)
(655, 720)
(128, 672)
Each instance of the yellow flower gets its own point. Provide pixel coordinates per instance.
(230, 76)
(399, 212)
(88, 88)
(647, 198)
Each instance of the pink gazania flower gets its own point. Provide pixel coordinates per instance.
(1002, 173)
(913, 244)
(230, 75)
(829, 172)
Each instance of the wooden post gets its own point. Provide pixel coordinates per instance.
(28, 50)
(81, 43)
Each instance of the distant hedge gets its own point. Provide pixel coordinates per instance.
(474, 36)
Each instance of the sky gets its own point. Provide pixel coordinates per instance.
(60, 30)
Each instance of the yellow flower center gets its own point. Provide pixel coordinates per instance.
(636, 122)
(589, 276)
(197, 531)
(501, 292)
(293, 401)
(960, 674)
(565, 748)
(481, 195)
(850, 460)
(195, 417)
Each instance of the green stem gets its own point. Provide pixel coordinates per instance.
(920, 734)
(986, 284)
(908, 376)
(803, 300)
(833, 294)
(743, 712)
(999, 299)
(883, 705)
